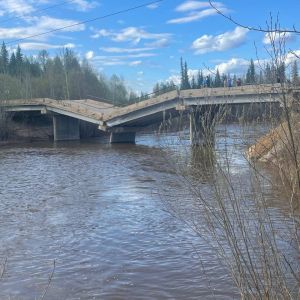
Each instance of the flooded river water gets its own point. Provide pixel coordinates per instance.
(95, 210)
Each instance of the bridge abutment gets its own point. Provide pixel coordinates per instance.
(65, 128)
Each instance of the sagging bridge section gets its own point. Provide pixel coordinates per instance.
(124, 122)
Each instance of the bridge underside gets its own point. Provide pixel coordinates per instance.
(202, 121)
(202, 107)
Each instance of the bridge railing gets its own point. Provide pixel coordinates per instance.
(198, 93)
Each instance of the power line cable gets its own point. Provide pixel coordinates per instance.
(85, 21)
(35, 11)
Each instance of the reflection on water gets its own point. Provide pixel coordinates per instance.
(95, 210)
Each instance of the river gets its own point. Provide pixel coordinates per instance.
(96, 211)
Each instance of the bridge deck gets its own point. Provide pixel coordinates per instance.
(107, 115)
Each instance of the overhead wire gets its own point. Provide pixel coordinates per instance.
(84, 22)
(35, 11)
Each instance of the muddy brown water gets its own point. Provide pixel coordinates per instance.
(96, 211)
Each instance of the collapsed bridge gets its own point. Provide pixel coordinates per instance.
(123, 122)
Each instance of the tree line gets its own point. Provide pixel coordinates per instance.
(61, 77)
(267, 74)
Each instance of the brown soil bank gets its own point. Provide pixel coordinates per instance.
(280, 149)
(277, 145)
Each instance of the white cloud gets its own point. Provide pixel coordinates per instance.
(38, 26)
(46, 22)
(196, 10)
(137, 55)
(275, 37)
(234, 65)
(292, 56)
(114, 60)
(125, 50)
(133, 35)
(221, 42)
(175, 79)
(153, 6)
(44, 46)
(83, 5)
(195, 5)
(16, 7)
(194, 16)
(89, 55)
(160, 43)
(135, 63)
(239, 66)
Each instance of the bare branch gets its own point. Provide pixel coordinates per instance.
(253, 28)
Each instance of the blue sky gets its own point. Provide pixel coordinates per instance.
(145, 45)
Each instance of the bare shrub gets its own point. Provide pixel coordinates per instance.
(250, 216)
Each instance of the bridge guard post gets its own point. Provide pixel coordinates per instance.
(202, 125)
(65, 128)
(127, 137)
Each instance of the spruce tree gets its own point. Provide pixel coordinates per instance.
(182, 73)
(4, 59)
(12, 65)
(218, 81)
(252, 72)
(186, 77)
(19, 61)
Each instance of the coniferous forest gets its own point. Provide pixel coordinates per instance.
(61, 77)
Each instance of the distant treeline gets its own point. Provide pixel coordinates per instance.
(266, 75)
(61, 77)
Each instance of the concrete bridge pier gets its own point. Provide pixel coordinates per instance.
(121, 135)
(65, 128)
(202, 126)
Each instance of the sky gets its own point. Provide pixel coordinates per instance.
(144, 45)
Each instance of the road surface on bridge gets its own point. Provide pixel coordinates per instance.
(146, 112)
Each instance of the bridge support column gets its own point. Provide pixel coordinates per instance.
(122, 137)
(202, 126)
(65, 128)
